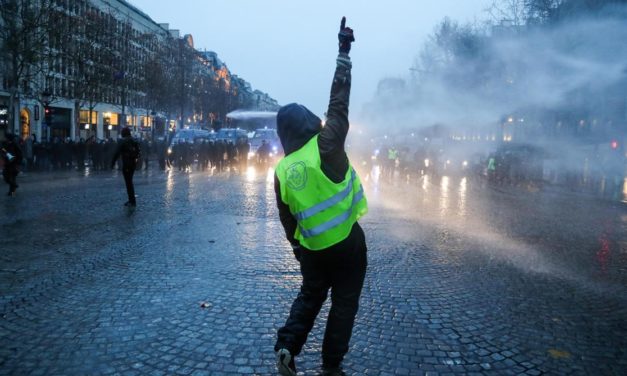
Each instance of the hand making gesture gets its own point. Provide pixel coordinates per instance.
(345, 37)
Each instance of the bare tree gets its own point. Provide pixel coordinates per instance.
(125, 63)
(514, 12)
(521, 12)
(450, 44)
(155, 80)
(202, 97)
(542, 11)
(25, 28)
(85, 45)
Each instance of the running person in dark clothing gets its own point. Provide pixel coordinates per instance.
(320, 199)
(12, 155)
(129, 149)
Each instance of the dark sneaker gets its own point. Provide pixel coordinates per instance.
(130, 204)
(336, 371)
(285, 363)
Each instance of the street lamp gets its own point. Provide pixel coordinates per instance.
(153, 124)
(45, 97)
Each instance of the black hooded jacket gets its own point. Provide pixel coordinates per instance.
(296, 125)
(12, 147)
(129, 149)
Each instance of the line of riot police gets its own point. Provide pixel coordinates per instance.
(202, 155)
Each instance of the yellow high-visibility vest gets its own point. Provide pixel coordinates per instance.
(325, 211)
(392, 154)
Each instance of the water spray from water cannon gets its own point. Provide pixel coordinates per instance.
(248, 115)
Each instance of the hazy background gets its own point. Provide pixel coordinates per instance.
(287, 48)
(436, 74)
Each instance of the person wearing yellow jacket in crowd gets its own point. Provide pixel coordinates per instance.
(320, 198)
(391, 162)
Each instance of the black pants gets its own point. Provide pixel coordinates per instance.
(342, 269)
(10, 176)
(128, 180)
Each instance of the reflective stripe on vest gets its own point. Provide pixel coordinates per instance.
(335, 221)
(338, 197)
(325, 211)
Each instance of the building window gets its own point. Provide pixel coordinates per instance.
(84, 115)
(146, 121)
(110, 118)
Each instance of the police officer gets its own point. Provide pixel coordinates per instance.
(263, 153)
(129, 149)
(320, 199)
(391, 162)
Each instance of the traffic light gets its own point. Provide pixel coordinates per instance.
(614, 144)
(47, 115)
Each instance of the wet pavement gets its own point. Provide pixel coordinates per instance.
(463, 278)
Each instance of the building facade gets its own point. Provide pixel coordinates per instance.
(105, 64)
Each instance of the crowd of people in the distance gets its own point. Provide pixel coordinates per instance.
(67, 154)
(96, 154)
(209, 154)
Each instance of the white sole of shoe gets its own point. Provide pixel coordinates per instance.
(282, 363)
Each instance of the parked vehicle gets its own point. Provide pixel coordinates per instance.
(233, 135)
(518, 163)
(270, 136)
(190, 136)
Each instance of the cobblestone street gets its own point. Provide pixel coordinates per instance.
(462, 279)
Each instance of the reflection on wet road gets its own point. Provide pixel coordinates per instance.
(462, 278)
(519, 226)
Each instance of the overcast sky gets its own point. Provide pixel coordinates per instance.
(287, 48)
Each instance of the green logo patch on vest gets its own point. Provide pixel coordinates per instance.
(297, 176)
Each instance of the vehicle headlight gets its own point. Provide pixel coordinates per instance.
(465, 163)
(251, 154)
(169, 150)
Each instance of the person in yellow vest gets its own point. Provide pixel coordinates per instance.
(491, 168)
(391, 162)
(320, 198)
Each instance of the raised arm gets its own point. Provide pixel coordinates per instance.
(333, 135)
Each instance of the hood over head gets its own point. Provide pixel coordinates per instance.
(296, 125)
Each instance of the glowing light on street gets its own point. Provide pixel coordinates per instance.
(251, 173)
(461, 205)
(444, 196)
(270, 175)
